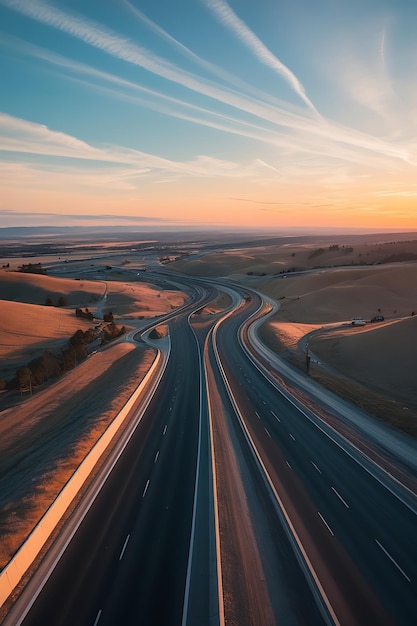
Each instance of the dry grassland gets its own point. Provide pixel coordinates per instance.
(26, 330)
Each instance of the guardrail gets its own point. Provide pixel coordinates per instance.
(12, 574)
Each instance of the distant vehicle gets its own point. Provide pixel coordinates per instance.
(358, 321)
(378, 318)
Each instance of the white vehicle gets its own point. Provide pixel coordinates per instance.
(358, 321)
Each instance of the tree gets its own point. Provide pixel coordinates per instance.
(24, 379)
(62, 301)
(49, 301)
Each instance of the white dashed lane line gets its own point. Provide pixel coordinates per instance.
(292, 436)
(325, 523)
(156, 457)
(340, 497)
(124, 547)
(315, 467)
(268, 433)
(393, 560)
(97, 618)
(276, 416)
(165, 429)
(146, 488)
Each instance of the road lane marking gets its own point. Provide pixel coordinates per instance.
(156, 457)
(288, 465)
(165, 429)
(268, 433)
(191, 560)
(257, 415)
(97, 618)
(334, 435)
(292, 533)
(393, 561)
(124, 547)
(275, 415)
(170, 409)
(146, 488)
(340, 498)
(315, 467)
(292, 437)
(326, 524)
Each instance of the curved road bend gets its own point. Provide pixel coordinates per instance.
(128, 561)
(359, 537)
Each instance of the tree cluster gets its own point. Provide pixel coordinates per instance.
(62, 301)
(32, 268)
(111, 331)
(86, 314)
(50, 365)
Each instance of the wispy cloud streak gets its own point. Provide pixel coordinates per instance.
(229, 18)
(314, 136)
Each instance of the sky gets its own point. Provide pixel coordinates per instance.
(269, 114)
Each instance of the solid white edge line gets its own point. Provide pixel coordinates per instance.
(269, 482)
(92, 498)
(197, 479)
(393, 561)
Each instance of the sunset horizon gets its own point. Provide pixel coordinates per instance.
(210, 113)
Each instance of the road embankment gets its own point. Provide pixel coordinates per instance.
(12, 574)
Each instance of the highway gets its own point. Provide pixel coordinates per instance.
(230, 505)
(357, 535)
(129, 559)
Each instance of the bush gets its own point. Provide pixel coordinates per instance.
(87, 315)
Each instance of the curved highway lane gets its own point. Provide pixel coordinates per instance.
(357, 535)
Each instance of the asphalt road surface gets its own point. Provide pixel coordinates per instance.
(229, 505)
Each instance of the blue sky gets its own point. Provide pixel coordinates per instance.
(210, 112)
